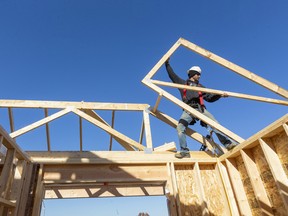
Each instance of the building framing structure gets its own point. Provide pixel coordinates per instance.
(251, 179)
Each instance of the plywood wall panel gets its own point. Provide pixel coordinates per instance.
(188, 190)
(248, 187)
(213, 189)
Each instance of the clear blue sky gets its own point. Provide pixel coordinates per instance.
(101, 50)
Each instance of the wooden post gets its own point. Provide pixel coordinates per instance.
(228, 189)
(147, 129)
(39, 193)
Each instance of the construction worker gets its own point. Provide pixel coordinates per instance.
(195, 100)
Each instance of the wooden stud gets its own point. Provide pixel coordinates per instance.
(276, 168)
(141, 132)
(24, 193)
(7, 172)
(112, 125)
(285, 126)
(238, 187)
(228, 188)
(203, 201)
(47, 131)
(39, 193)
(257, 184)
(11, 119)
(147, 129)
(80, 134)
(157, 102)
(175, 188)
(171, 194)
(18, 183)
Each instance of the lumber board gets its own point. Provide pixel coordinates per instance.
(77, 105)
(123, 157)
(39, 193)
(170, 192)
(233, 67)
(200, 186)
(228, 188)
(238, 187)
(147, 128)
(11, 119)
(104, 173)
(39, 123)
(171, 146)
(221, 92)
(47, 131)
(112, 125)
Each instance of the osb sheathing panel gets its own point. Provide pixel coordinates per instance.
(268, 181)
(280, 142)
(213, 189)
(188, 190)
(248, 187)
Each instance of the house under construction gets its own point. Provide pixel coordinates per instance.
(250, 179)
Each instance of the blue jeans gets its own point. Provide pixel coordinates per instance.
(185, 120)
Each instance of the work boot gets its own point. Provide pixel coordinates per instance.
(230, 145)
(181, 155)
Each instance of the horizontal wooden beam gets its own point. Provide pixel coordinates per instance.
(106, 190)
(219, 92)
(122, 157)
(78, 105)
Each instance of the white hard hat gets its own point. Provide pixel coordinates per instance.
(195, 68)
